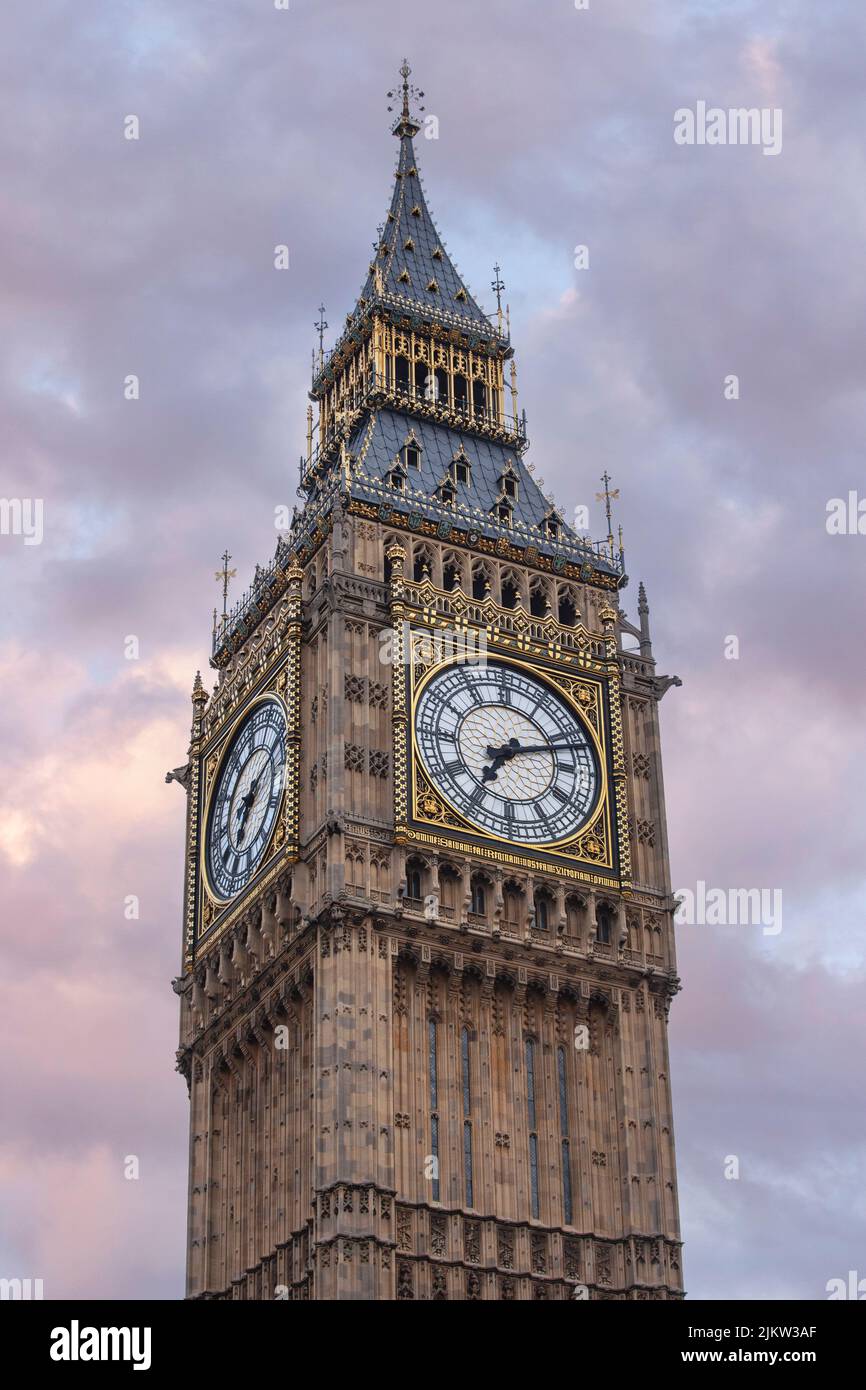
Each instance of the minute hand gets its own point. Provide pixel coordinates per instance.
(545, 748)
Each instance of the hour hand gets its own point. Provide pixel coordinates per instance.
(499, 756)
(246, 806)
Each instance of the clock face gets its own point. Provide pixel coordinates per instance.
(507, 752)
(246, 799)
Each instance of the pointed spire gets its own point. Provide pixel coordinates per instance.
(199, 700)
(410, 261)
(646, 648)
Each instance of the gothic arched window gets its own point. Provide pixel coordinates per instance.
(449, 887)
(604, 919)
(423, 564)
(452, 576)
(479, 895)
(567, 609)
(510, 592)
(514, 898)
(415, 879)
(538, 599)
(480, 581)
(543, 909)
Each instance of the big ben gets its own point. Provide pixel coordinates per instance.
(428, 927)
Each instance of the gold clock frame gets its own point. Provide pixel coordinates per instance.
(422, 789)
(207, 917)
(211, 779)
(579, 859)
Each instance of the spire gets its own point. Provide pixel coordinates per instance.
(410, 263)
(643, 614)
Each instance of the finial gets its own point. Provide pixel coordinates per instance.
(514, 393)
(607, 497)
(225, 574)
(407, 124)
(498, 285)
(320, 329)
(199, 694)
(646, 648)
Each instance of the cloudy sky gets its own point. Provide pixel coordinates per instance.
(155, 257)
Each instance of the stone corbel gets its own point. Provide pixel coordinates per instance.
(269, 926)
(239, 958)
(225, 973)
(592, 922)
(212, 987)
(255, 942)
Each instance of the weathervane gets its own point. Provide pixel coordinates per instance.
(406, 125)
(607, 497)
(497, 287)
(320, 328)
(225, 574)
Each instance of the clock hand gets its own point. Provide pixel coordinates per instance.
(506, 751)
(545, 748)
(510, 750)
(499, 756)
(245, 808)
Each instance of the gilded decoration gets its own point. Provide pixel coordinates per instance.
(283, 684)
(427, 641)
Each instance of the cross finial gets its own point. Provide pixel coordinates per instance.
(225, 574)
(609, 495)
(320, 329)
(406, 124)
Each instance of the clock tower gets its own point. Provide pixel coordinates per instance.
(428, 937)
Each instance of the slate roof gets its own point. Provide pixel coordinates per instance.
(409, 220)
(376, 447)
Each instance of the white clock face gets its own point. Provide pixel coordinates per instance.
(246, 799)
(507, 752)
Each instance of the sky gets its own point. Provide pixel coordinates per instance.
(154, 258)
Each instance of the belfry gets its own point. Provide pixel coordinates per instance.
(428, 925)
